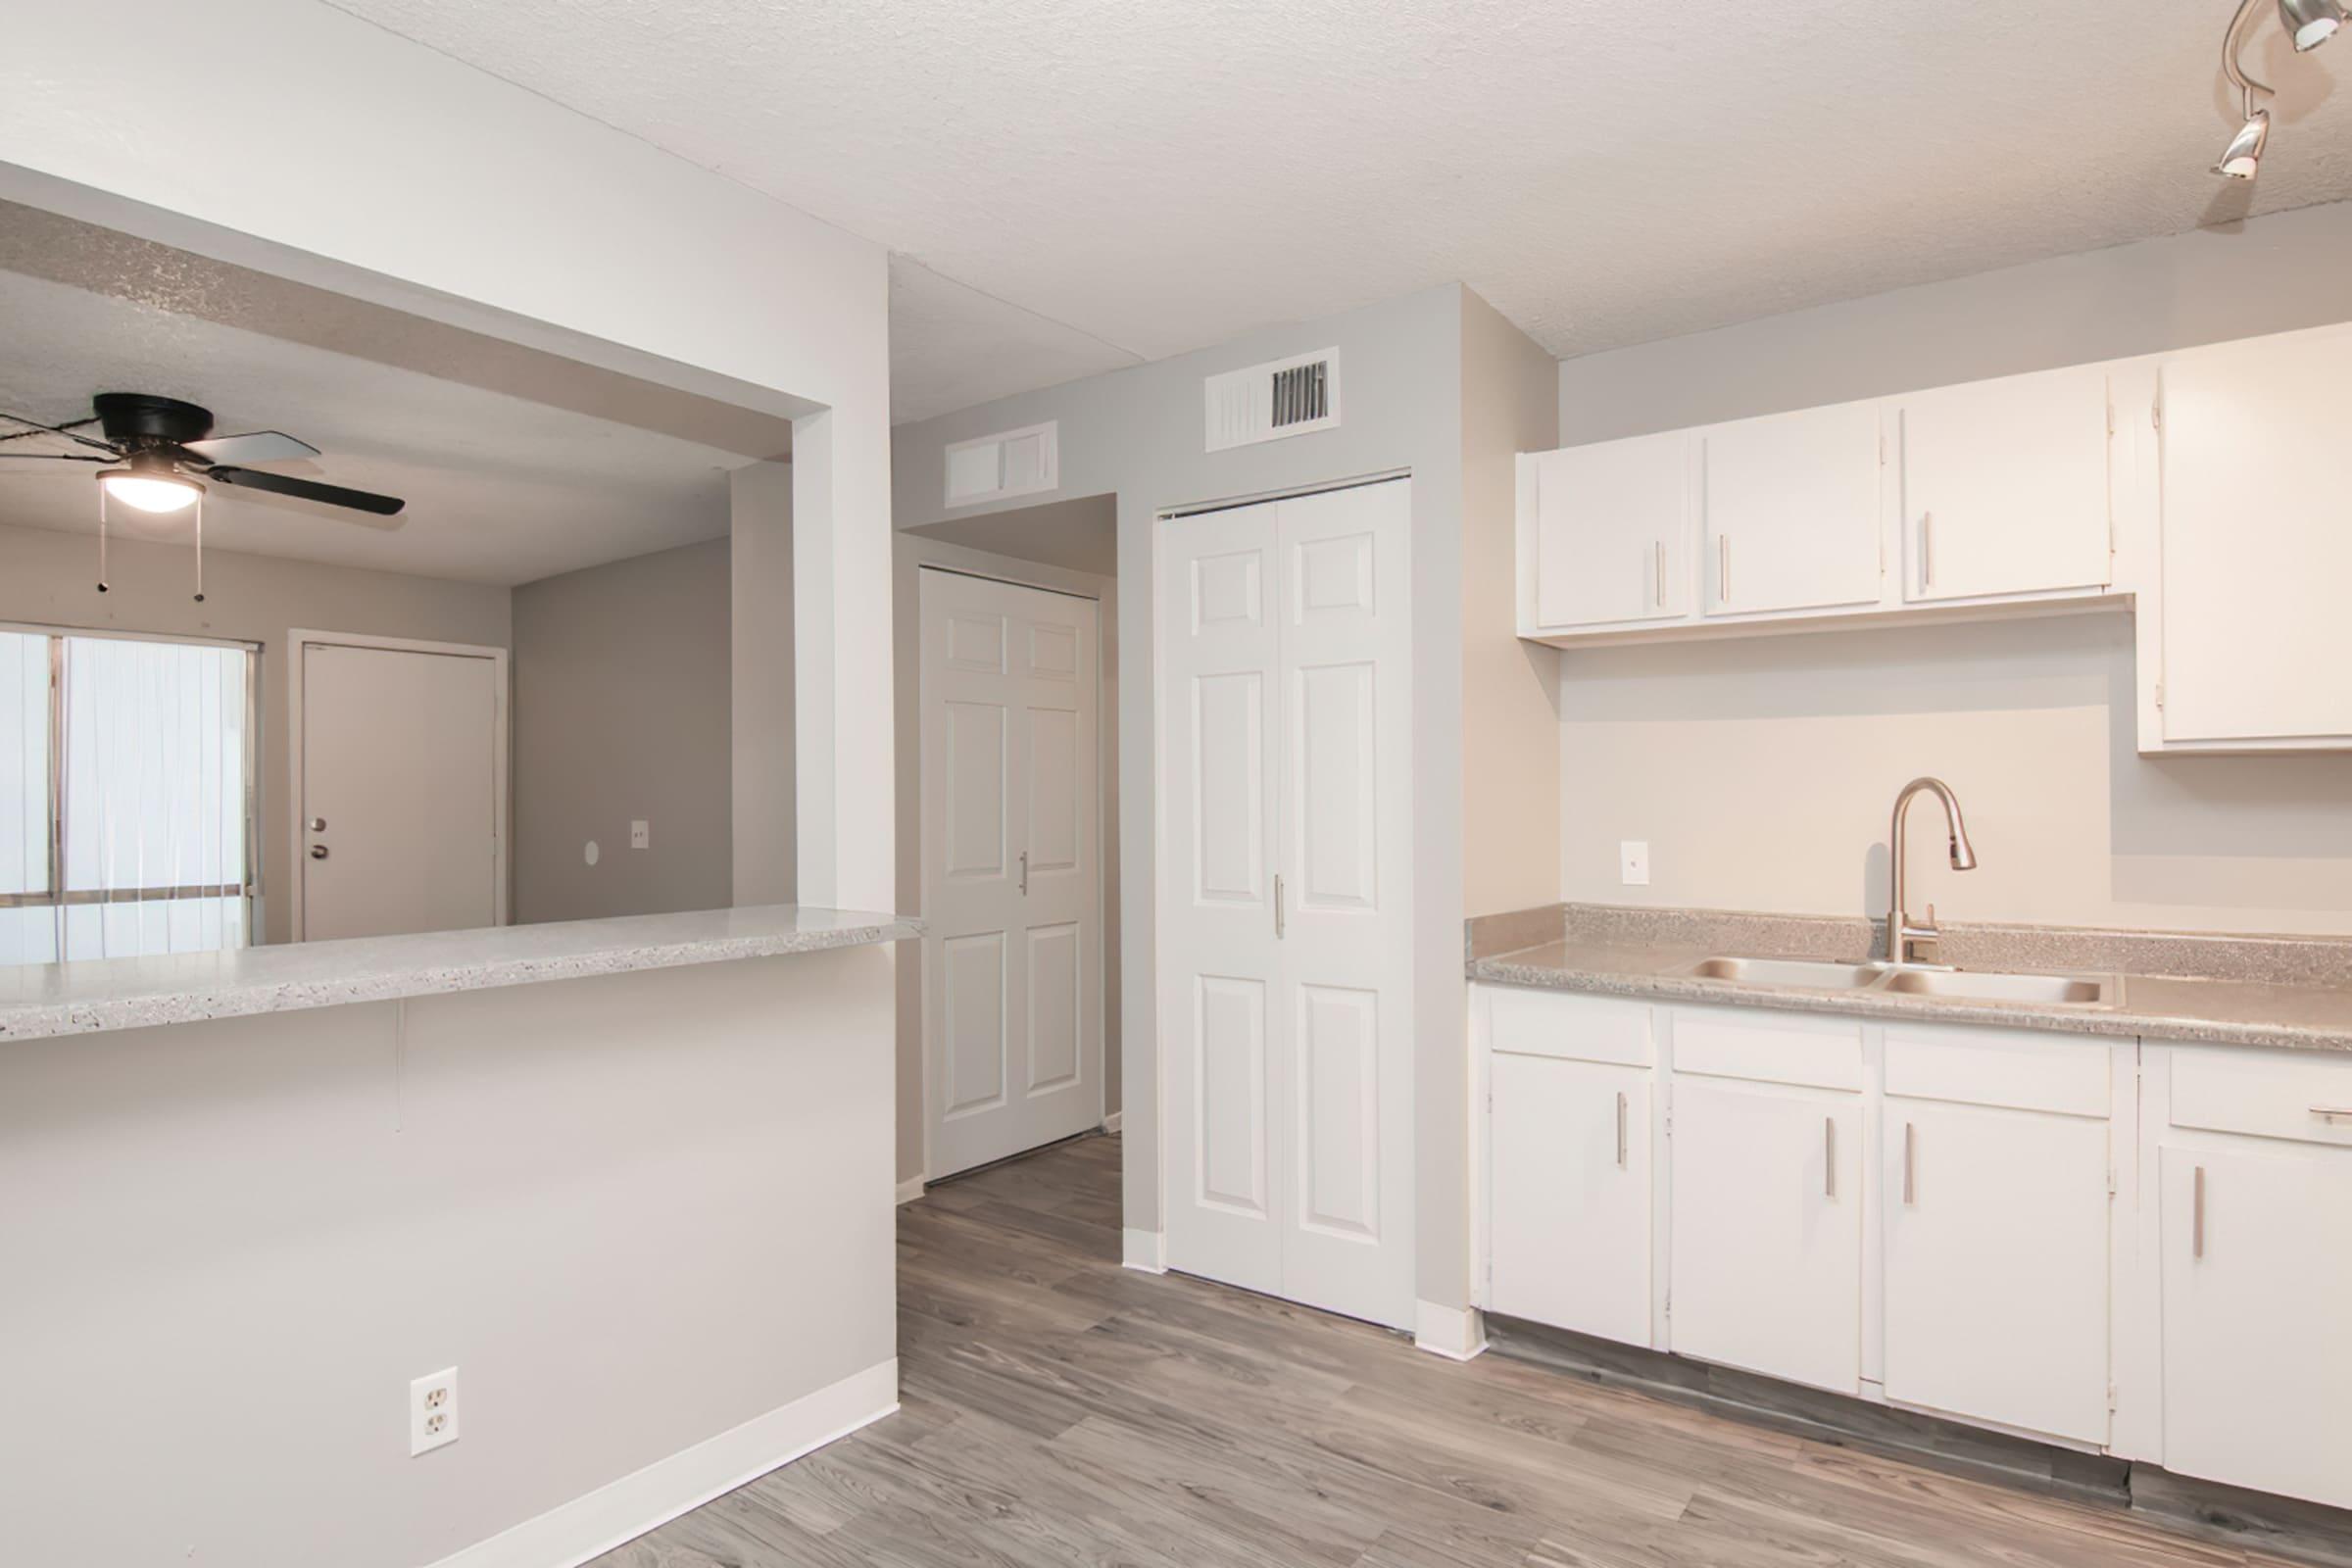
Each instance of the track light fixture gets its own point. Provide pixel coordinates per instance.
(2309, 24)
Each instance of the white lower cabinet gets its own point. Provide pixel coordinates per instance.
(1569, 1228)
(1996, 1263)
(1766, 1206)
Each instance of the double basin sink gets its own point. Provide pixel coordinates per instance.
(1972, 985)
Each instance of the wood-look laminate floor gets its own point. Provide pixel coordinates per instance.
(1059, 1409)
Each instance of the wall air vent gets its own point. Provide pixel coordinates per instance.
(1266, 402)
(1011, 462)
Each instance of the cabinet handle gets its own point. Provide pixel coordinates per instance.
(1723, 568)
(1024, 873)
(1657, 575)
(1278, 905)
(2333, 1112)
(2196, 1224)
(1927, 550)
(1910, 1163)
(1621, 1129)
(1829, 1156)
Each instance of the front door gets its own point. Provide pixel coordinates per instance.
(1012, 905)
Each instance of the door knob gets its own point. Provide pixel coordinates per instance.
(317, 852)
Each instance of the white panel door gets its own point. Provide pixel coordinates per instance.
(1218, 969)
(1568, 1238)
(2257, 540)
(1792, 509)
(2005, 485)
(1766, 1265)
(400, 792)
(1344, 932)
(1013, 945)
(1613, 532)
(1996, 1274)
(1285, 897)
(2257, 1278)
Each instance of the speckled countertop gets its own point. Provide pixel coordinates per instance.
(38, 1000)
(1612, 952)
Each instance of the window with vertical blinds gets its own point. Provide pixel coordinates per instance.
(126, 795)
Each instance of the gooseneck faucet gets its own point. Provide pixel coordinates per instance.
(1908, 944)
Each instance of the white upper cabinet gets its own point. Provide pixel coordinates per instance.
(2005, 486)
(1792, 511)
(1614, 532)
(2251, 645)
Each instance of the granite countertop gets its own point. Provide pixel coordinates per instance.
(1604, 951)
(38, 1000)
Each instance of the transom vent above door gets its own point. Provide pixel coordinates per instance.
(1270, 401)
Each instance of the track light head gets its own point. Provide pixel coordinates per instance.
(2243, 156)
(2309, 22)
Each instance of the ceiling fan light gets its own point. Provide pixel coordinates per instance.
(150, 491)
(2243, 156)
(2309, 22)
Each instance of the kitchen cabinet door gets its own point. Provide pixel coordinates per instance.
(1614, 532)
(2256, 538)
(1766, 1261)
(2005, 486)
(2257, 1275)
(1792, 509)
(1996, 1273)
(1569, 1206)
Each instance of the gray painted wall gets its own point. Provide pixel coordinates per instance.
(623, 711)
(1761, 772)
(765, 625)
(49, 580)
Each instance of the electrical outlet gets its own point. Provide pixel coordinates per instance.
(432, 1411)
(1633, 862)
(641, 835)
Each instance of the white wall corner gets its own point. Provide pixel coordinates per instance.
(1113, 1122)
(1146, 1251)
(1458, 1334)
(588, 1527)
(911, 1188)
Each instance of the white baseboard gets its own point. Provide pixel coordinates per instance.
(620, 1512)
(1146, 1251)
(1455, 1333)
(911, 1188)
(1113, 1122)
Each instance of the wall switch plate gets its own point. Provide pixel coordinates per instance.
(1633, 862)
(641, 835)
(432, 1411)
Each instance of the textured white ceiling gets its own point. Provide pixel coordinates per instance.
(501, 489)
(1160, 177)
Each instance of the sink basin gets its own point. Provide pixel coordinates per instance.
(1813, 974)
(2079, 990)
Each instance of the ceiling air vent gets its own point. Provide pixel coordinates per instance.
(1266, 402)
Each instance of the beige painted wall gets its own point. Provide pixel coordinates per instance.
(622, 713)
(1761, 770)
(916, 552)
(49, 580)
(1510, 763)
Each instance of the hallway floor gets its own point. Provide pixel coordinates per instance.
(1059, 1409)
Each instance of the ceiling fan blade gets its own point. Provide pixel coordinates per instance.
(71, 431)
(51, 457)
(260, 446)
(333, 495)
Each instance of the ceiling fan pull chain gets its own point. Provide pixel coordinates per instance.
(101, 539)
(200, 547)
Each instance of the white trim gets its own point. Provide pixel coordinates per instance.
(621, 1510)
(1458, 1334)
(300, 639)
(1145, 1252)
(911, 1188)
(1113, 1122)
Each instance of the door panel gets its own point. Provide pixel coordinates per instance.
(2257, 1365)
(1792, 509)
(1570, 1217)
(1013, 949)
(399, 759)
(2005, 485)
(1767, 1250)
(1996, 1273)
(1338, 1122)
(1614, 522)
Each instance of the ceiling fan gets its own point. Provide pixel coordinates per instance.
(167, 450)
